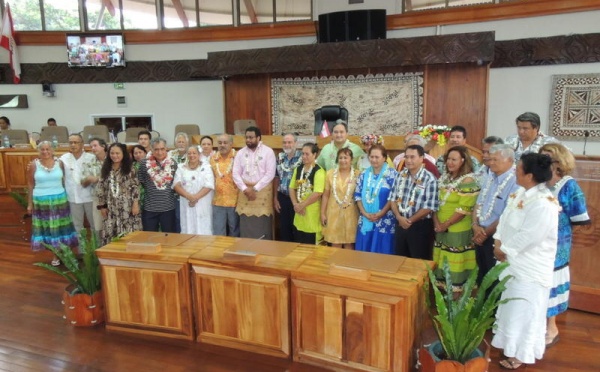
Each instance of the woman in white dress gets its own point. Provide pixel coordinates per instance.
(195, 183)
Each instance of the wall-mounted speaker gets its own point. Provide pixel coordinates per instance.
(352, 25)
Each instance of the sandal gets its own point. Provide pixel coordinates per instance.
(551, 341)
(510, 363)
(55, 262)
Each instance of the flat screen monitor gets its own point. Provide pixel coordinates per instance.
(97, 50)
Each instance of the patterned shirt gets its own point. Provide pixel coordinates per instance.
(422, 191)
(493, 196)
(158, 199)
(285, 169)
(515, 142)
(226, 192)
(92, 168)
(174, 154)
(441, 165)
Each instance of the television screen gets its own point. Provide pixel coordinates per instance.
(95, 50)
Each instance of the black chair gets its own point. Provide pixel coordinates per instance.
(330, 114)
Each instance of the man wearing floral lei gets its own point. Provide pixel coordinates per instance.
(491, 202)
(529, 138)
(458, 137)
(156, 174)
(226, 221)
(287, 161)
(413, 199)
(326, 159)
(253, 173)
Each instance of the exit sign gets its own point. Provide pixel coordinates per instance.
(119, 85)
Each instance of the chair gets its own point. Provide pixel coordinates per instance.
(155, 134)
(240, 126)
(131, 134)
(329, 114)
(189, 129)
(95, 131)
(16, 136)
(121, 136)
(61, 133)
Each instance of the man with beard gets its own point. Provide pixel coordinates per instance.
(253, 173)
(226, 221)
(287, 161)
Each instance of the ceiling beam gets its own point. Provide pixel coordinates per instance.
(109, 6)
(181, 13)
(251, 11)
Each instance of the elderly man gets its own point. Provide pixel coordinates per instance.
(156, 174)
(491, 202)
(182, 142)
(326, 159)
(484, 170)
(90, 176)
(529, 138)
(428, 160)
(226, 221)
(80, 196)
(458, 137)
(287, 161)
(253, 173)
(413, 198)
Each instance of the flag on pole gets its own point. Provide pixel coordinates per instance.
(325, 130)
(7, 41)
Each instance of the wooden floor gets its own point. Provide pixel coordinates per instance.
(33, 336)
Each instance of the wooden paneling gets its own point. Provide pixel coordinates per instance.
(456, 94)
(2, 173)
(585, 276)
(243, 310)
(248, 97)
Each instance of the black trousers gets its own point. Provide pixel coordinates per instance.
(286, 218)
(151, 221)
(416, 241)
(484, 255)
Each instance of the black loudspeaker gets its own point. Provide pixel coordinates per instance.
(352, 25)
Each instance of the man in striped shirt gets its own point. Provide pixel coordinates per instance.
(156, 174)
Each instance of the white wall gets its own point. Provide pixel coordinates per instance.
(511, 90)
(169, 104)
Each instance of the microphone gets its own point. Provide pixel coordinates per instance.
(586, 134)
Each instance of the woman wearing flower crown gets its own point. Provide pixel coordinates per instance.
(367, 141)
(339, 213)
(376, 223)
(458, 190)
(306, 188)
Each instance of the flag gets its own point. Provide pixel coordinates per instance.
(325, 130)
(8, 42)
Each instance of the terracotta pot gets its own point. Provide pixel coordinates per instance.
(430, 362)
(83, 310)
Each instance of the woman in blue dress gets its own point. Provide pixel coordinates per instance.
(574, 212)
(376, 222)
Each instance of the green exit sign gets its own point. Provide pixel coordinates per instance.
(119, 85)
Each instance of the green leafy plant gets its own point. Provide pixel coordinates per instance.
(85, 275)
(20, 197)
(461, 323)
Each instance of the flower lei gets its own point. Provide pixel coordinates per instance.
(254, 164)
(522, 203)
(39, 162)
(438, 133)
(484, 192)
(282, 161)
(218, 157)
(342, 203)
(450, 186)
(114, 185)
(372, 192)
(160, 174)
(402, 206)
(304, 185)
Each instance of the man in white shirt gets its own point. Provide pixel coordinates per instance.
(80, 197)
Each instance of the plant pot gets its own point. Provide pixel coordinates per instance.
(83, 310)
(431, 362)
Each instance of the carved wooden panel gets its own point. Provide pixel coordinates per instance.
(469, 47)
(555, 50)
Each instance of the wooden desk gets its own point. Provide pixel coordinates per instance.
(244, 306)
(351, 324)
(148, 293)
(13, 166)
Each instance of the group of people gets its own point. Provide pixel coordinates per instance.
(519, 205)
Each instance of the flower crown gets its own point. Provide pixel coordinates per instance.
(437, 133)
(372, 138)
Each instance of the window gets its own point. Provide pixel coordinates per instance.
(411, 5)
(118, 123)
(270, 11)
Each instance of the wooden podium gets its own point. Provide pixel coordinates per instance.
(585, 276)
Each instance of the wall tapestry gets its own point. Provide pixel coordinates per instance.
(390, 104)
(575, 107)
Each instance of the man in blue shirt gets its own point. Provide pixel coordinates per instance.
(287, 161)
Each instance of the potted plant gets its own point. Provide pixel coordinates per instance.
(461, 323)
(83, 299)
